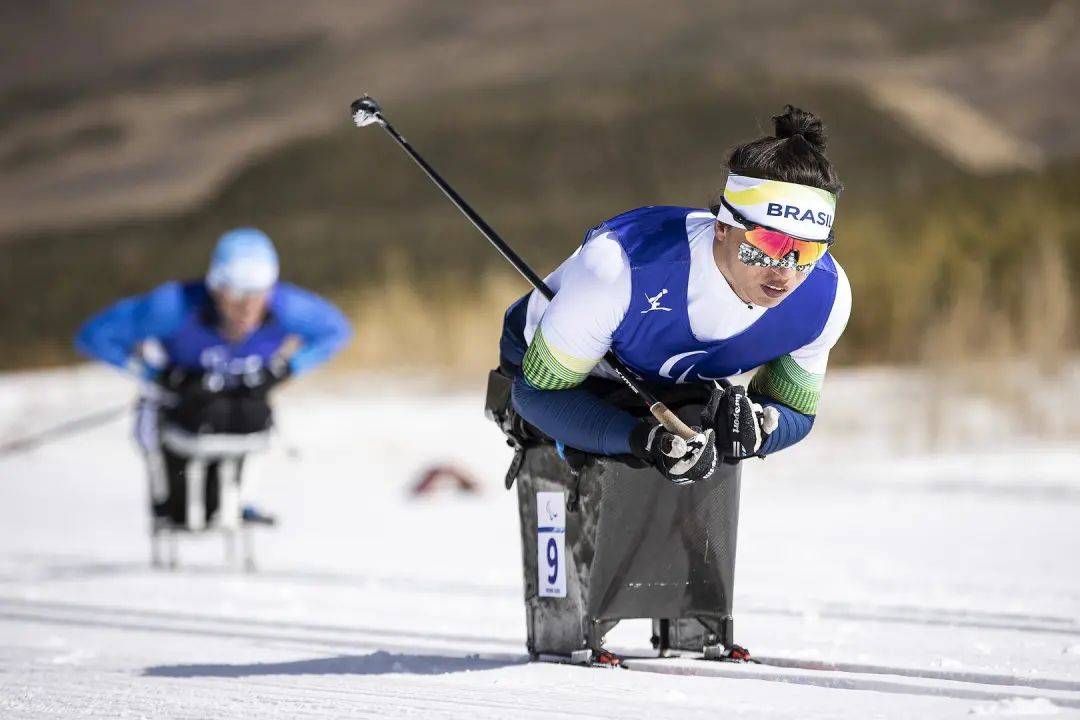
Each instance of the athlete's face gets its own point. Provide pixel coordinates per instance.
(762, 286)
(241, 313)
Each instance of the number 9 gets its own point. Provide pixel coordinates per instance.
(553, 560)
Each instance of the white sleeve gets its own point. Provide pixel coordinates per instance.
(814, 356)
(592, 295)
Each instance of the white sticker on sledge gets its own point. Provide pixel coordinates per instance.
(551, 544)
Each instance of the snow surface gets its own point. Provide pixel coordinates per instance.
(886, 583)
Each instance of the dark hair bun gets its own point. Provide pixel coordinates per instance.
(795, 154)
(796, 122)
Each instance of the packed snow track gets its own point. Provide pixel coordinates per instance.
(874, 583)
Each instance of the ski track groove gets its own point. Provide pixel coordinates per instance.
(102, 697)
(895, 614)
(929, 674)
(365, 635)
(357, 644)
(836, 681)
(846, 676)
(46, 606)
(916, 613)
(73, 570)
(475, 697)
(114, 696)
(77, 568)
(834, 614)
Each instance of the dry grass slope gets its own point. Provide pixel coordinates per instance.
(945, 264)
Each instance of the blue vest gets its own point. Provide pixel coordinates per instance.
(197, 344)
(660, 345)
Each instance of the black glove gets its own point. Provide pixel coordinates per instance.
(181, 381)
(741, 424)
(212, 402)
(187, 383)
(258, 383)
(681, 461)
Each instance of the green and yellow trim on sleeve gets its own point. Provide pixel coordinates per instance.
(548, 368)
(785, 381)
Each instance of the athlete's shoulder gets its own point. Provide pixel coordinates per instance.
(656, 233)
(287, 296)
(828, 299)
(833, 321)
(650, 216)
(828, 272)
(827, 265)
(170, 292)
(157, 313)
(191, 293)
(601, 260)
(164, 306)
(842, 297)
(298, 308)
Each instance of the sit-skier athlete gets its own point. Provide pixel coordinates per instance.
(212, 350)
(686, 298)
(695, 296)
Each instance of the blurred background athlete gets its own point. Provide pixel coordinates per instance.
(211, 351)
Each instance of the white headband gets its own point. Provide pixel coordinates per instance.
(800, 210)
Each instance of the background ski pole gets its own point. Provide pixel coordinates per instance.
(366, 111)
(64, 429)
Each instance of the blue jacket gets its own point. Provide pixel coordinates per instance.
(183, 319)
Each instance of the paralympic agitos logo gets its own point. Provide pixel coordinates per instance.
(793, 212)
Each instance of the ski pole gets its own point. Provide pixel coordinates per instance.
(64, 429)
(366, 111)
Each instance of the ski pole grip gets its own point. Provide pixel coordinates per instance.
(671, 421)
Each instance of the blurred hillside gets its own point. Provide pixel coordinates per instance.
(134, 133)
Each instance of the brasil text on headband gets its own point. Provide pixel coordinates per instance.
(801, 211)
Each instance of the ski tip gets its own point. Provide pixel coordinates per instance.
(585, 658)
(606, 658)
(732, 654)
